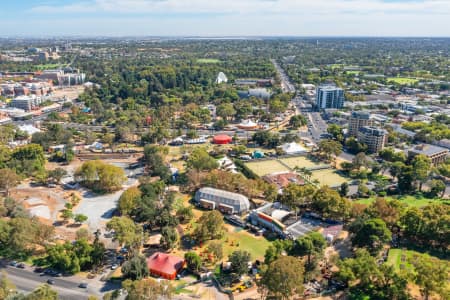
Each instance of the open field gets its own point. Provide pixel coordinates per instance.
(399, 257)
(208, 61)
(328, 177)
(265, 167)
(408, 200)
(353, 72)
(47, 66)
(300, 162)
(402, 80)
(237, 239)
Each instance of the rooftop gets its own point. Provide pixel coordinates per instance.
(427, 149)
(164, 263)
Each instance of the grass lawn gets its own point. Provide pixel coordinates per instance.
(301, 162)
(243, 240)
(353, 72)
(328, 177)
(398, 257)
(409, 200)
(403, 80)
(47, 66)
(208, 61)
(262, 168)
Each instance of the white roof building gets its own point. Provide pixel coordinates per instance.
(30, 129)
(292, 148)
(221, 78)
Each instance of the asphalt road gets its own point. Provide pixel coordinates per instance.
(67, 288)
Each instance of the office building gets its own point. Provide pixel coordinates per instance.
(357, 120)
(26, 102)
(436, 154)
(329, 96)
(375, 138)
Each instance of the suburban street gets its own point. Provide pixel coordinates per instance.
(67, 287)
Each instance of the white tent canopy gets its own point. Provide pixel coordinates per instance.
(292, 148)
(221, 78)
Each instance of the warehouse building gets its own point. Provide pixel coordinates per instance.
(226, 202)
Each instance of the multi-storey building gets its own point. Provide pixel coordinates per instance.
(329, 96)
(436, 154)
(375, 138)
(357, 120)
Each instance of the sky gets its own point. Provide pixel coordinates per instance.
(39, 18)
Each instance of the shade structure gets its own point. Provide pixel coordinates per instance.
(222, 139)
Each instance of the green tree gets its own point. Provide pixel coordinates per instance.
(336, 131)
(66, 214)
(437, 188)
(216, 249)
(200, 160)
(225, 110)
(311, 244)
(327, 148)
(239, 260)
(432, 275)
(405, 179)
(147, 288)
(28, 159)
(126, 231)
(80, 218)
(368, 280)
(136, 268)
(169, 237)
(330, 204)
(128, 200)
(43, 292)
(370, 234)
(193, 261)
(209, 226)
(344, 189)
(185, 214)
(283, 278)
(57, 174)
(7, 288)
(8, 179)
(101, 176)
(297, 121)
(421, 165)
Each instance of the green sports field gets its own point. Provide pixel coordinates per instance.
(408, 200)
(208, 61)
(402, 80)
(265, 167)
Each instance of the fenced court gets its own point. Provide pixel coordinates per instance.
(301, 162)
(265, 167)
(328, 177)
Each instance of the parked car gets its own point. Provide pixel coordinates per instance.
(13, 263)
(83, 285)
(114, 266)
(51, 281)
(21, 266)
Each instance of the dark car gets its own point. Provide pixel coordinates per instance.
(83, 285)
(21, 266)
(51, 281)
(38, 270)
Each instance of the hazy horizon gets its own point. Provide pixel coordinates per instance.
(232, 18)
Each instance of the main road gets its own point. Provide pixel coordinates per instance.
(68, 288)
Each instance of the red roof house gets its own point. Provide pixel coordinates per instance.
(165, 265)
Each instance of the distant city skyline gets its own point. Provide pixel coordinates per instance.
(397, 18)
